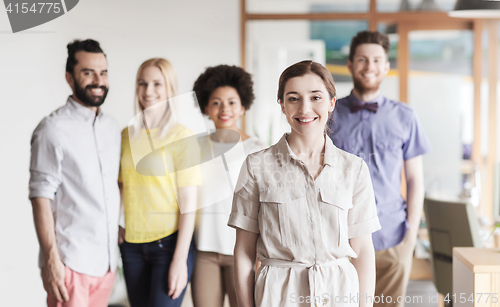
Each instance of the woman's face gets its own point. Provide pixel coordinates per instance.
(224, 107)
(306, 104)
(151, 87)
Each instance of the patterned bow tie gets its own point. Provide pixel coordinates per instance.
(356, 106)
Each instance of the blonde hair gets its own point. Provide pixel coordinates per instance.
(170, 117)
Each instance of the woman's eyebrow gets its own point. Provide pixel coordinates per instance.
(232, 97)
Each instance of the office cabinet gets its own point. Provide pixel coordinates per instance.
(476, 277)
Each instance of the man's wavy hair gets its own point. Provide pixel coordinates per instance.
(88, 45)
(369, 37)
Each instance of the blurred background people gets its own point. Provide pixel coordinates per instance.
(384, 133)
(75, 154)
(224, 93)
(157, 181)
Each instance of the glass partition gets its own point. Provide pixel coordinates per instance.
(441, 92)
(392, 6)
(306, 6)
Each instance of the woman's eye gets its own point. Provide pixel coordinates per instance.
(316, 98)
(231, 102)
(157, 84)
(292, 99)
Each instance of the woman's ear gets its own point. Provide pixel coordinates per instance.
(332, 104)
(282, 106)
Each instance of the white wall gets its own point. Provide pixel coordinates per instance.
(272, 46)
(192, 34)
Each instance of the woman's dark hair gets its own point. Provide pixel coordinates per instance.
(224, 75)
(369, 37)
(88, 45)
(302, 68)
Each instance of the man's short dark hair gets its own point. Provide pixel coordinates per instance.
(88, 45)
(369, 37)
(224, 75)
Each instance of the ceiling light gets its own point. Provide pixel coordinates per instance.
(476, 9)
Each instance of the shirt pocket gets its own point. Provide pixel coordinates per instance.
(285, 216)
(390, 145)
(334, 207)
(389, 150)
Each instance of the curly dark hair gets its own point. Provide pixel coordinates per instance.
(224, 75)
(88, 45)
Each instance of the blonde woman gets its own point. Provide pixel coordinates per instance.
(156, 244)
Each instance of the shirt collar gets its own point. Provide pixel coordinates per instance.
(285, 154)
(83, 111)
(379, 99)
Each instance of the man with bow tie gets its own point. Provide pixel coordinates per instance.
(386, 134)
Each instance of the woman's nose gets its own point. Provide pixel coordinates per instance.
(149, 89)
(305, 106)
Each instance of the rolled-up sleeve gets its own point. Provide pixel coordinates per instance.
(46, 161)
(246, 204)
(362, 217)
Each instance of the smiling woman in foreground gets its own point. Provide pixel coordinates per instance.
(303, 206)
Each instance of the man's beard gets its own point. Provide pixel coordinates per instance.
(84, 96)
(362, 88)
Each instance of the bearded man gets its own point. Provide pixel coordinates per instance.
(75, 156)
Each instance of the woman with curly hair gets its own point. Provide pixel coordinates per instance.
(224, 94)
